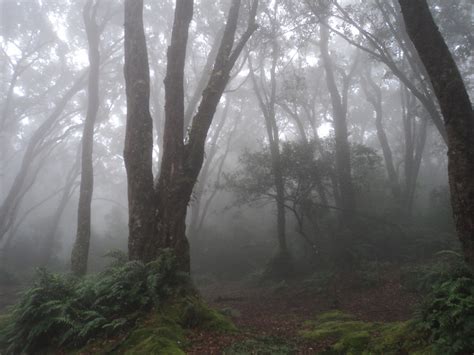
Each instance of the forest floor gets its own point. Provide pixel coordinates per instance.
(268, 316)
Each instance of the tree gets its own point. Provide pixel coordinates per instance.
(157, 208)
(339, 109)
(457, 112)
(266, 97)
(80, 251)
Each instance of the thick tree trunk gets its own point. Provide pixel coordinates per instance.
(139, 135)
(343, 158)
(157, 214)
(80, 251)
(457, 111)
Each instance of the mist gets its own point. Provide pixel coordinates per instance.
(295, 162)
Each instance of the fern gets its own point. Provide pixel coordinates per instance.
(60, 310)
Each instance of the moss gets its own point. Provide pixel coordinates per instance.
(334, 316)
(261, 345)
(164, 331)
(350, 336)
(197, 314)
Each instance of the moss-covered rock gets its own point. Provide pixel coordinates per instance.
(351, 336)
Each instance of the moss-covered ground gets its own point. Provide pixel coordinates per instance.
(348, 335)
(165, 330)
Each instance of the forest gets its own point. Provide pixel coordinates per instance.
(236, 177)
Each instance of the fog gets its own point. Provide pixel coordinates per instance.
(327, 150)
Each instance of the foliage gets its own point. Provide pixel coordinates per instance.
(422, 277)
(163, 332)
(302, 165)
(60, 310)
(351, 336)
(448, 313)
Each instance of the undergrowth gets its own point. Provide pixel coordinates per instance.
(448, 313)
(351, 336)
(261, 345)
(443, 323)
(60, 311)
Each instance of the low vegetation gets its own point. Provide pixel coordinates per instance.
(153, 303)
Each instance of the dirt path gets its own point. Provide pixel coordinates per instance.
(279, 313)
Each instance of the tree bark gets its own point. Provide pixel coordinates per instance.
(457, 112)
(80, 251)
(138, 148)
(157, 213)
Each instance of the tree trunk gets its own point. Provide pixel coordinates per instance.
(69, 187)
(138, 148)
(15, 194)
(457, 111)
(80, 251)
(375, 99)
(157, 213)
(267, 106)
(343, 158)
(204, 174)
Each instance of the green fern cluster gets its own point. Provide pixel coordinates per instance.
(60, 310)
(448, 313)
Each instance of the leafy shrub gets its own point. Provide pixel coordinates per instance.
(422, 278)
(60, 310)
(448, 313)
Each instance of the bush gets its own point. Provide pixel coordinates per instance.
(448, 313)
(422, 278)
(60, 310)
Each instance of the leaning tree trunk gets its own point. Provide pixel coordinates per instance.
(457, 111)
(157, 213)
(80, 251)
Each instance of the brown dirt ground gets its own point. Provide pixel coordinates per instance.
(282, 312)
